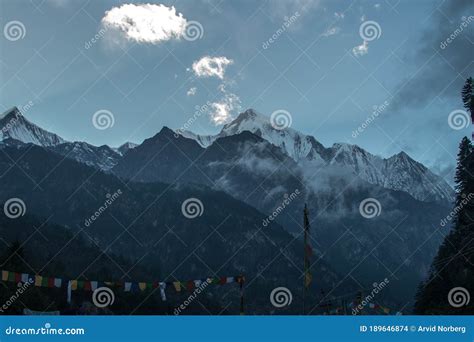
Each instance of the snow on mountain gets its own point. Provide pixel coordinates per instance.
(203, 140)
(399, 172)
(101, 157)
(402, 173)
(124, 148)
(295, 144)
(14, 125)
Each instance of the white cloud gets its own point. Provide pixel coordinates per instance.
(211, 66)
(331, 31)
(361, 50)
(221, 112)
(339, 15)
(146, 23)
(192, 91)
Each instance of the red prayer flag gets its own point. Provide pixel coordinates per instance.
(87, 285)
(190, 285)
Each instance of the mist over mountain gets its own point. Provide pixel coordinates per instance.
(243, 176)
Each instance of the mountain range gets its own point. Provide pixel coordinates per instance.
(399, 172)
(246, 171)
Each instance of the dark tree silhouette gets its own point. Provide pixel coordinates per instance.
(468, 99)
(452, 271)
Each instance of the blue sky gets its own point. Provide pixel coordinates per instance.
(312, 68)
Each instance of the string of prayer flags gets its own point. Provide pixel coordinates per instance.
(92, 285)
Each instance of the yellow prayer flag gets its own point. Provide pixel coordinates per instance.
(142, 286)
(38, 280)
(308, 279)
(73, 285)
(4, 275)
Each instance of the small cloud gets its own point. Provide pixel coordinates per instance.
(331, 31)
(377, 6)
(146, 23)
(211, 66)
(362, 18)
(339, 15)
(192, 91)
(58, 3)
(221, 112)
(361, 50)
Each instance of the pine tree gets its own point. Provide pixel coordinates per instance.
(454, 263)
(468, 99)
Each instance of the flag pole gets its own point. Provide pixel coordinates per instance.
(306, 278)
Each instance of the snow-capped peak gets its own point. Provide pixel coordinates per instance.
(125, 147)
(399, 172)
(14, 125)
(295, 144)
